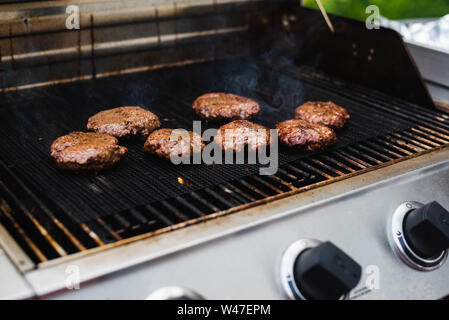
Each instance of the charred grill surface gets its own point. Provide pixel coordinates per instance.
(52, 214)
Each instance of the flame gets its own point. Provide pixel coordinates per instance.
(180, 180)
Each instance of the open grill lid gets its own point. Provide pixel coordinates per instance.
(37, 48)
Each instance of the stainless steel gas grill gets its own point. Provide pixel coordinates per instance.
(219, 230)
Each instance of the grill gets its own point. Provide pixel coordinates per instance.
(53, 215)
(47, 227)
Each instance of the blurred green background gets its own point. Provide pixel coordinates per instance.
(392, 9)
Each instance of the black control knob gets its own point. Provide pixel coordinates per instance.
(325, 272)
(426, 230)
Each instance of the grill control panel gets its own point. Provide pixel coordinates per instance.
(419, 234)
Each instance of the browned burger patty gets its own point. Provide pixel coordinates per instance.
(86, 151)
(326, 113)
(307, 136)
(124, 122)
(240, 133)
(225, 106)
(162, 143)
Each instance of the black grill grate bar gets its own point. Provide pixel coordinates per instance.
(103, 235)
(110, 233)
(277, 182)
(404, 144)
(419, 131)
(189, 205)
(383, 141)
(174, 211)
(300, 182)
(352, 159)
(333, 159)
(137, 223)
(265, 183)
(288, 175)
(123, 223)
(240, 192)
(434, 132)
(92, 234)
(203, 201)
(252, 188)
(420, 145)
(382, 156)
(236, 195)
(421, 139)
(383, 149)
(165, 220)
(300, 172)
(317, 169)
(229, 202)
(32, 247)
(309, 167)
(335, 171)
(139, 216)
(363, 155)
(431, 136)
(283, 182)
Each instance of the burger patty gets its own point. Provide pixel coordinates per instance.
(307, 136)
(326, 113)
(162, 143)
(240, 133)
(124, 122)
(225, 106)
(86, 151)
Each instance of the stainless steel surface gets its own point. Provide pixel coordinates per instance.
(432, 63)
(218, 254)
(174, 293)
(439, 94)
(13, 285)
(37, 48)
(15, 253)
(399, 244)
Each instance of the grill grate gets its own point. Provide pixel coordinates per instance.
(46, 230)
